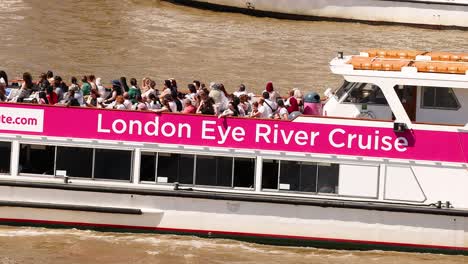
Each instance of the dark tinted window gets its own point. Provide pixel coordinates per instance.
(328, 177)
(289, 175)
(298, 176)
(214, 171)
(37, 159)
(244, 172)
(439, 97)
(77, 162)
(5, 154)
(270, 174)
(113, 164)
(148, 167)
(308, 172)
(301, 176)
(175, 168)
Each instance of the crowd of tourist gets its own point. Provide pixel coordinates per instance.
(197, 98)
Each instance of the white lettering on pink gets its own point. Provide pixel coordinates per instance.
(262, 131)
(332, 141)
(401, 142)
(100, 129)
(206, 129)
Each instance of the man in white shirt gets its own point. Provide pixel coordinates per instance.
(264, 109)
(270, 106)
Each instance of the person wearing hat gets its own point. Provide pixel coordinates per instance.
(273, 95)
(116, 91)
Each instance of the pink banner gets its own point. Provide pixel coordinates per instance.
(243, 133)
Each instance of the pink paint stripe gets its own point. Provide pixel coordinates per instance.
(228, 233)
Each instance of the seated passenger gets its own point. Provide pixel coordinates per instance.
(207, 107)
(43, 83)
(188, 107)
(119, 103)
(272, 94)
(123, 84)
(116, 91)
(92, 100)
(164, 108)
(5, 77)
(245, 104)
(26, 87)
(255, 113)
(104, 93)
(299, 97)
(153, 102)
(3, 97)
(128, 104)
(192, 93)
(231, 111)
(141, 105)
(151, 89)
(219, 97)
(267, 107)
(85, 86)
(133, 91)
(292, 103)
(281, 112)
(240, 91)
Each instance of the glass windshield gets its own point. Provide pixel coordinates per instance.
(361, 93)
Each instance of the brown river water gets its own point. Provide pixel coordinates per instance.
(160, 40)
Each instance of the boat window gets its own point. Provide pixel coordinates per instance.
(36, 159)
(148, 166)
(244, 172)
(175, 168)
(5, 153)
(270, 174)
(328, 177)
(214, 171)
(209, 170)
(439, 97)
(77, 162)
(112, 164)
(361, 93)
(300, 176)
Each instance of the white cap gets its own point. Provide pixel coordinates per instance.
(2, 81)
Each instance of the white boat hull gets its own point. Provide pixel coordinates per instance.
(434, 13)
(275, 223)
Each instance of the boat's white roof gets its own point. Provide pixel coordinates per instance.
(405, 67)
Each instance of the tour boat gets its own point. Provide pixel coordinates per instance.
(432, 13)
(384, 167)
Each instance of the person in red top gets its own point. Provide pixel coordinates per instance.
(188, 107)
(51, 96)
(292, 103)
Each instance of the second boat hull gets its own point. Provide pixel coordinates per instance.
(418, 13)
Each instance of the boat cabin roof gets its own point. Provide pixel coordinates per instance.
(442, 68)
